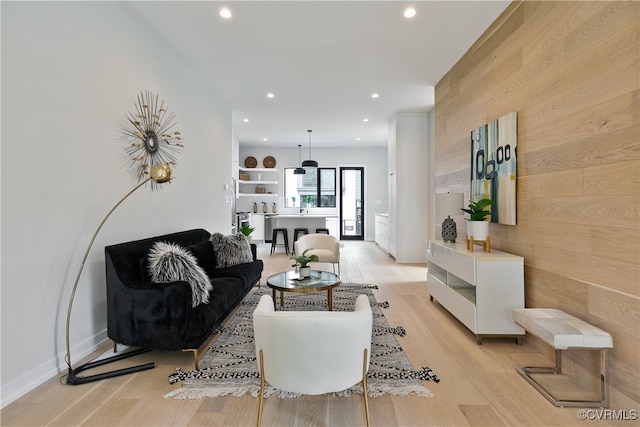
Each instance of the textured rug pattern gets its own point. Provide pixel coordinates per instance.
(229, 366)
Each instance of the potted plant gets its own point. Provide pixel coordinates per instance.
(478, 227)
(246, 230)
(303, 260)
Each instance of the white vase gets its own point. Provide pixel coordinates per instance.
(305, 271)
(479, 230)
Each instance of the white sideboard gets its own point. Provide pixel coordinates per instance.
(480, 289)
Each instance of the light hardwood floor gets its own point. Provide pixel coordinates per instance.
(479, 385)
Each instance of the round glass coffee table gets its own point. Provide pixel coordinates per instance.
(289, 281)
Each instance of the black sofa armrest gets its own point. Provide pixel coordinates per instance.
(254, 251)
(154, 315)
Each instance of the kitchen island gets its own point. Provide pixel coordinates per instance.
(291, 221)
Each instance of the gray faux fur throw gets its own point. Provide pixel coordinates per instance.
(169, 262)
(231, 250)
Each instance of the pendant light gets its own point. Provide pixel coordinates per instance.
(309, 163)
(299, 170)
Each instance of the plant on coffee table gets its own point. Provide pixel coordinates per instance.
(303, 260)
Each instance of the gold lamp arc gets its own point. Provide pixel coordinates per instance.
(159, 174)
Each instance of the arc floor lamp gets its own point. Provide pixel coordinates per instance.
(159, 174)
(151, 153)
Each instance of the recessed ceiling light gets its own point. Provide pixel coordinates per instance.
(270, 95)
(365, 120)
(409, 12)
(375, 95)
(357, 139)
(245, 120)
(225, 13)
(265, 139)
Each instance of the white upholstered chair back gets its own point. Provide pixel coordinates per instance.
(312, 352)
(325, 246)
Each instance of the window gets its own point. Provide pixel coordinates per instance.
(315, 189)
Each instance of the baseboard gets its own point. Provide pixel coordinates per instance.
(55, 367)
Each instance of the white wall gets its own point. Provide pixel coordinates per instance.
(373, 158)
(70, 72)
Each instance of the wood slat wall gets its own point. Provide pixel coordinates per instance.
(571, 71)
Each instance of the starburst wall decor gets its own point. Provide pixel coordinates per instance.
(150, 139)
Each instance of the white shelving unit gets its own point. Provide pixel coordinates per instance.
(480, 289)
(269, 181)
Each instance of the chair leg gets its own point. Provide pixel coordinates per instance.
(365, 391)
(261, 389)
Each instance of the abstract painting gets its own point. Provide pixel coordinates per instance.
(493, 166)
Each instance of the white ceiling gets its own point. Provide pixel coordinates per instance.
(321, 59)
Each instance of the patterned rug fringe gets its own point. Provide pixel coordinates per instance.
(202, 393)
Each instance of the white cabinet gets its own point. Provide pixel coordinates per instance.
(382, 231)
(332, 225)
(391, 227)
(261, 182)
(480, 289)
(408, 188)
(257, 222)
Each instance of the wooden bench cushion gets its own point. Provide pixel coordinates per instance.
(561, 330)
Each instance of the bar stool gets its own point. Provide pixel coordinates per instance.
(322, 230)
(274, 239)
(297, 232)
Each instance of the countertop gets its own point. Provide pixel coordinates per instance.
(288, 215)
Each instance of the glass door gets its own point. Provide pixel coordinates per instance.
(351, 203)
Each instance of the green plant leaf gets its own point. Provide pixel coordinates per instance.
(477, 211)
(246, 230)
(302, 260)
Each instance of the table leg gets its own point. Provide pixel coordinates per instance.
(330, 299)
(274, 299)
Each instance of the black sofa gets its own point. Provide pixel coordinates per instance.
(160, 315)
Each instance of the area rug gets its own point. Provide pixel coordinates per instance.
(229, 366)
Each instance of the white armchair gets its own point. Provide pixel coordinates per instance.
(325, 246)
(313, 352)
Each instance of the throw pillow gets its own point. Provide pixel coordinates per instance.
(169, 262)
(203, 251)
(231, 250)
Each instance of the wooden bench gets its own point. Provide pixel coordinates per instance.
(563, 331)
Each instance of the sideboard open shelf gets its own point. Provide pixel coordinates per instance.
(480, 289)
